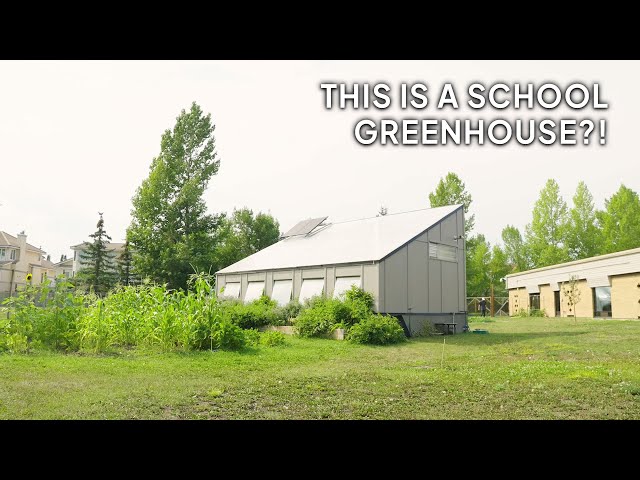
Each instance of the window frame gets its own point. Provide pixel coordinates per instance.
(273, 289)
(311, 280)
(247, 291)
(532, 296)
(335, 284)
(232, 283)
(599, 313)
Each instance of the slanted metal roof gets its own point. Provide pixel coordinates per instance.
(365, 240)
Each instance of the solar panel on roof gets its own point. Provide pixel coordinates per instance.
(304, 227)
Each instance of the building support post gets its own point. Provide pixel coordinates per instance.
(492, 302)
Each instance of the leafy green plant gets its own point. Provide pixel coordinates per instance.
(321, 314)
(283, 315)
(358, 295)
(229, 336)
(533, 312)
(272, 339)
(252, 337)
(377, 329)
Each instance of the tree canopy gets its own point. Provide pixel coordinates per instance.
(583, 237)
(243, 234)
(170, 232)
(450, 191)
(620, 221)
(546, 234)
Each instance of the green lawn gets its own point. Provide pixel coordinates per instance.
(524, 368)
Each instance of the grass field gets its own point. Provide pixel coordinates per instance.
(523, 369)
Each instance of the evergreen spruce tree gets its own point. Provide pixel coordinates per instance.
(126, 275)
(97, 270)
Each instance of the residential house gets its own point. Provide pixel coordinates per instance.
(64, 268)
(18, 259)
(114, 248)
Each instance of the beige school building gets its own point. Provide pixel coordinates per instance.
(609, 286)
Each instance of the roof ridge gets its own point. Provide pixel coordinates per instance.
(397, 213)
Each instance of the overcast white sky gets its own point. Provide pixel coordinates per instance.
(78, 137)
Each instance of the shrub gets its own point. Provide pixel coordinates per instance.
(358, 295)
(272, 338)
(377, 329)
(256, 314)
(252, 337)
(359, 304)
(229, 336)
(283, 315)
(534, 312)
(321, 315)
(265, 302)
(314, 321)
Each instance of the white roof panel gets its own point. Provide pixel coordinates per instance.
(369, 239)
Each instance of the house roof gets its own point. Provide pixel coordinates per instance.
(110, 246)
(65, 263)
(364, 240)
(7, 240)
(46, 263)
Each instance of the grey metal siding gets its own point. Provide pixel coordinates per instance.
(349, 271)
(370, 282)
(243, 285)
(449, 286)
(462, 264)
(434, 233)
(418, 264)
(268, 285)
(329, 281)
(297, 283)
(413, 283)
(395, 282)
(382, 305)
(435, 286)
(283, 275)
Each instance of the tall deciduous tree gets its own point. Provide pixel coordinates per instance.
(97, 270)
(449, 191)
(515, 249)
(583, 235)
(498, 268)
(545, 235)
(171, 233)
(478, 259)
(243, 234)
(620, 221)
